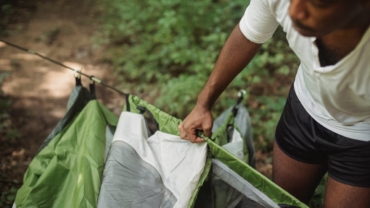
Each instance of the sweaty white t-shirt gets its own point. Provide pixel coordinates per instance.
(336, 96)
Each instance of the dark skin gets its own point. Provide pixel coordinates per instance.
(322, 18)
(332, 49)
(338, 26)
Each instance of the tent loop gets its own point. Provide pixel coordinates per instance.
(77, 75)
(241, 95)
(230, 127)
(92, 87)
(151, 122)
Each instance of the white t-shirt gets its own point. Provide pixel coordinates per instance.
(336, 96)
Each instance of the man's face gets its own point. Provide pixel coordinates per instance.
(320, 17)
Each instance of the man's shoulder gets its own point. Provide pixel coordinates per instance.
(276, 7)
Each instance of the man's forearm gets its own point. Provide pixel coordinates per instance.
(237, 52)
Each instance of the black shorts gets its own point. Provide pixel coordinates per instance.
(303, 139)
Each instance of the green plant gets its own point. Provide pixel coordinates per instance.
(6, 10)
(7, 197)
(158, 40)
(173, 45)
(179, 94)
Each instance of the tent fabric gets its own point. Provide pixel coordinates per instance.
(247, 189)
(227, 134)
(243, 124)
(67, 172)
(78, 99)
(162, 170)
(266, 186)
(225, 194)
(169, 124)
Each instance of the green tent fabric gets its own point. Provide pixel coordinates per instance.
(67, 172)
(78, 99)
(238, 117)
(273, 191)
(169, 124)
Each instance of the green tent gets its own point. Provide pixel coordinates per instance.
(82, 165)
(67, 170)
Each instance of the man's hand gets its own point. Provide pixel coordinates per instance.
(199, 119)
(235, 55)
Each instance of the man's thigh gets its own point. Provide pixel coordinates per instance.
(340, 195)
(298, 178)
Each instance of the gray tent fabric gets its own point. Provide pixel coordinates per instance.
(120, 184)
(77, 100)
(243, 123)
(237, 182)
(225, 194)
(109, 133)
(238, 132)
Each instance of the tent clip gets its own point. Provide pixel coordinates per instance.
(92, 87)
(241, 95)
(77, 75)
(153, 125)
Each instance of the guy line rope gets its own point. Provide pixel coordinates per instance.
(65, 66)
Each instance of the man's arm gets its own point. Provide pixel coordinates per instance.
(237, 52)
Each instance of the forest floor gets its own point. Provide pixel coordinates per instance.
(38, 90)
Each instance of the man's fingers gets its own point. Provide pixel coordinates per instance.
(198, 140)
(192, 137)
(208, 132)
(183, 134)
(207, 129)
(189, 133)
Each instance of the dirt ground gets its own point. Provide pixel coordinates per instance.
(39, 90)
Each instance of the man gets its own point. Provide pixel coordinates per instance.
(325, 125)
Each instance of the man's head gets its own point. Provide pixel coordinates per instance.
(320, 17)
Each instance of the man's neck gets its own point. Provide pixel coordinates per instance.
(334, 46)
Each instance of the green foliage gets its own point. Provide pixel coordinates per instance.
(174, 45)
(7, 197)
(6, 10)
(182, 93)
(157, 40)
(12, 11)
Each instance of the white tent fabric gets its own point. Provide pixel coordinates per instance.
(162, 170)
